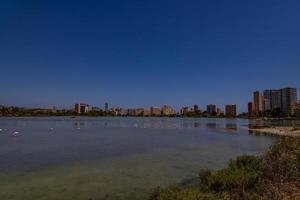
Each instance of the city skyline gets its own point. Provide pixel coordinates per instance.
(258, 104)
(142, 54)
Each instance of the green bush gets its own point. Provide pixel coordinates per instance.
(242, 179)
(275, 176)
(181, 193)
(281, 170)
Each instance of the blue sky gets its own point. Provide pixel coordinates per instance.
(143, 53)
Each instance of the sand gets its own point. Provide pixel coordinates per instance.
(281, 131)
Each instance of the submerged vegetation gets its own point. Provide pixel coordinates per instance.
(273, 176)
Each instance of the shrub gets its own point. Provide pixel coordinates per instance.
(181, 193)
(281, 170)
(242, 179)
(275, 176)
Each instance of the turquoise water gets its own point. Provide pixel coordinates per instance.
(114, 158)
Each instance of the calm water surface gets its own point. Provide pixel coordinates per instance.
(114, 158)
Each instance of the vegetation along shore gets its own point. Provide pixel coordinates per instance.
(274, 176)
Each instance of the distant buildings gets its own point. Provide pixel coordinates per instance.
(184, 110)
(155, 111)
(106, 107)
(272, 99)
(167, 110)
(146, 112)
(94, 108)
(131, 112)
(123, 112)
(54, 110)
(139, 112)
(288, 100)
(275, 101)
(258, 100)
(251, 108)
(81, 108)
(211, 109)
(269, 103)
(230, 110)
(284, 99)
(220, 112)
(196, 109)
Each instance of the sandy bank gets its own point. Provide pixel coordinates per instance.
(281, 131)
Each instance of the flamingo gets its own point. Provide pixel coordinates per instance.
(15, 133)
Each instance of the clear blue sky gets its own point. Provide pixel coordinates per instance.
(142, 53)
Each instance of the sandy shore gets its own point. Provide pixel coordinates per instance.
(281, 131)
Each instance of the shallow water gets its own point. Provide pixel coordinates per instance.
(114, 158)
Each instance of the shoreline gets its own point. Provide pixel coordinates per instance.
(162, 116)
(285, 131)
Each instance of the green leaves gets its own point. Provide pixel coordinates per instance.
(274, 176)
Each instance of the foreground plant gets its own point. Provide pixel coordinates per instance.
(275, 176)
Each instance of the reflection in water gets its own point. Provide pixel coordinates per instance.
(196, 124)
(253, 132)
(231, 127)
(211, 125)
(111, 154)
(79, 124)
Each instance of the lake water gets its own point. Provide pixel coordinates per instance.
(114, 158)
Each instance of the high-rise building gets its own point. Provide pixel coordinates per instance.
(288, 100)
(220, 111)
(196, 108)
(168, 110)
(211, 109)
(106, 107)
(155, 111)
(272, 99)
(251, 108)
(184, 110)
(81, 108)
(94, 108)
(284, 99)
(230, 110)
(267, 104)
(258, 100)
(139, 111)
(123, 112)
(131, 112)
(146, 112)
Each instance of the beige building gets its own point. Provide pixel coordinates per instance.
(155, 111)
(230, 110)
(81, 108)
(211, 109)
(146, 112)
(168, 110)
(289, 100)
(123, 112)
(139, 111)
(184, 110)
(258, 101)
(220, 111)
(272, 99)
